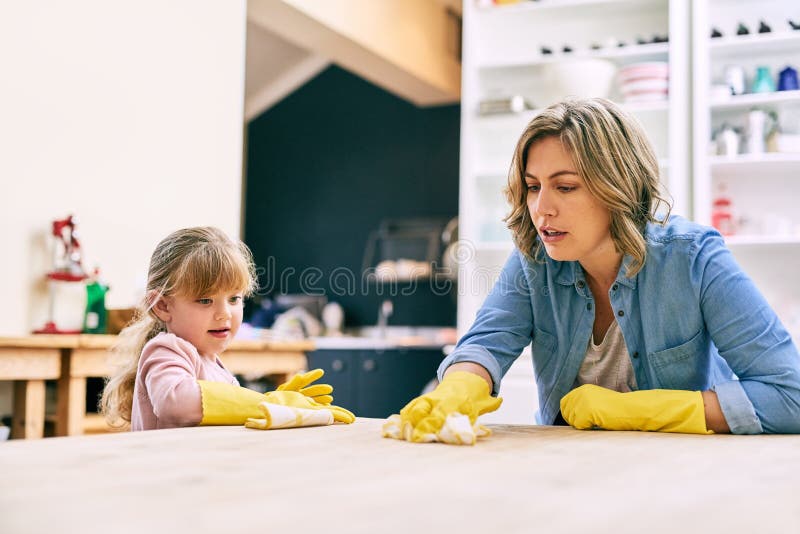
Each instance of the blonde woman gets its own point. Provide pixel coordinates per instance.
(637, 320)
(169, 369)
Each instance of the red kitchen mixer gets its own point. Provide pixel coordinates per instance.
(66, 282)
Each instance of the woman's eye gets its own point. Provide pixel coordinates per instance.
(566, 188)
(533, 187)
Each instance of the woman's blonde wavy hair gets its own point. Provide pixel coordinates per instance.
(191, 262)
(610, 150)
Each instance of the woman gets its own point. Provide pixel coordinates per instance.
(638, 320)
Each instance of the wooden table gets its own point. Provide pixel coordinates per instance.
(346, 478)
(72, 359)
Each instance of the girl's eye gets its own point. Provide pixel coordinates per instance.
(204, 301)
(235, 299)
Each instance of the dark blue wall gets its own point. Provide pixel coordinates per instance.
(331, 161)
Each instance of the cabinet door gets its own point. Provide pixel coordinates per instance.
(388, 379)
(341, 371)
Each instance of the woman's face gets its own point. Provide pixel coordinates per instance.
(572, 224)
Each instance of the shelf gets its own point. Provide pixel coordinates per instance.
(757, 164)
(756, 99)
(645, 52)
(761, 240)
(519, 120)
(758, 44)
(526, 6)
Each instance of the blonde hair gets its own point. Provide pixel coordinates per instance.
(610, 150)
(191, 262)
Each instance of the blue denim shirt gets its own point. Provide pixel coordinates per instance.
(691, 318)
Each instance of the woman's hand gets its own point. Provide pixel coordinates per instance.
(658, 410)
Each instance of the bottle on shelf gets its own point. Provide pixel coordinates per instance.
(722, 212)
(94, 319)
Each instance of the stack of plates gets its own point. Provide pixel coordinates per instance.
(644, 82)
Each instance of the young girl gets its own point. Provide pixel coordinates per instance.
(170, 374)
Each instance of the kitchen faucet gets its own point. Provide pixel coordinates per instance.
(386, 310)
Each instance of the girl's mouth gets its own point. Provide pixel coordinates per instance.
(220, 333)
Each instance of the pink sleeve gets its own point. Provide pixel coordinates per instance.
(171, 382)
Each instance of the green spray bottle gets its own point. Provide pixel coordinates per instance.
(94, 319)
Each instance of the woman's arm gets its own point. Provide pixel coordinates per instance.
(473, 368)
(752, 340)
(715, 419)
(502, 327)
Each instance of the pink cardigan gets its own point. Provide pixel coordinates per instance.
(166, 394)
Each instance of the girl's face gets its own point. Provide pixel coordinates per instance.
(209, 322)
(572, 224)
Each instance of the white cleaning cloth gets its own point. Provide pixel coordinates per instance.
(456, 430)
(279, 416)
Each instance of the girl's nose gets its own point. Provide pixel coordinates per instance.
(223, 312)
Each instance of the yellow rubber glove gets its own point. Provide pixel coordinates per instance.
(459, 392)
(298, 400)
(656, 410)
(321, 393)
(226, 404)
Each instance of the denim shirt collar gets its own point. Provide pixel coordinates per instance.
(569, 273)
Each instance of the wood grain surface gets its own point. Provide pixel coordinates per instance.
(348, 479)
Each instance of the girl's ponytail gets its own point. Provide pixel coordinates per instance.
(117, 400)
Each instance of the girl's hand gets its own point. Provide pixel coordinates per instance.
(320, 393)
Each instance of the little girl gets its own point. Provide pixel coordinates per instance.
(170, 374)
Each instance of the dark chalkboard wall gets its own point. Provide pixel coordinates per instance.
(326, 165)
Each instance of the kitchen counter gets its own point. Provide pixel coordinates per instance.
(30, 360)
(346, 478)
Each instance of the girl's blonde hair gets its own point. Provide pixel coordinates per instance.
(190, 262)
(610, 150)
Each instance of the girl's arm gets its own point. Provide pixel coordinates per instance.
(171, 382)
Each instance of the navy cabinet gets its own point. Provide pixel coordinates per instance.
(376, 383)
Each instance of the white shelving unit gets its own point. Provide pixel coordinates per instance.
(502, 56)
(764, 188)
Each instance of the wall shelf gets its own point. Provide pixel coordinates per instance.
(748, 45)
(755, 99)
(629, 53)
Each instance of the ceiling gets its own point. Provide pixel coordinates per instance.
(405, 46)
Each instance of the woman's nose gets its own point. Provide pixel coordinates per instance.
(543, 204)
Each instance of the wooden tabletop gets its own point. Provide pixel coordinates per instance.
(99, 341)
(346, 478)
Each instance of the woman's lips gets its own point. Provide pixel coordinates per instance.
(549, 235)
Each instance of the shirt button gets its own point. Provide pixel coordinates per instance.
(581, 284)
(635, 354)
(589, 306)
(620, 313)
(614, 287)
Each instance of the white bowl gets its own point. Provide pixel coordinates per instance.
(582, 78)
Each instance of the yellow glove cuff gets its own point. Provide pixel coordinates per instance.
(226, 404)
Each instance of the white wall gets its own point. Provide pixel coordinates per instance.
(126, 114)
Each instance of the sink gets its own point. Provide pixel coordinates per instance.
(373, 337)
